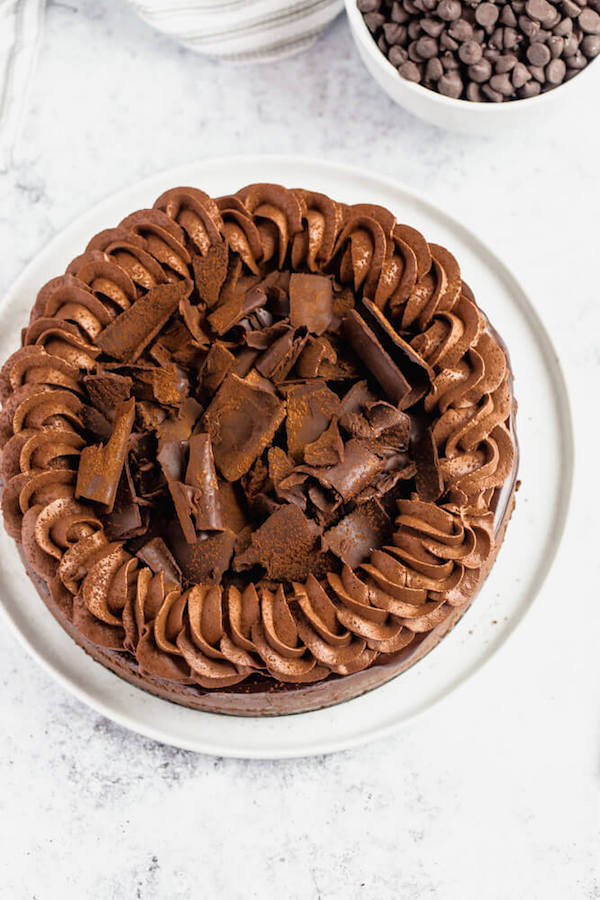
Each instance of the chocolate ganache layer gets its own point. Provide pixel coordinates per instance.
(258, 451)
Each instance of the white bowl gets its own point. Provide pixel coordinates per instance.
(458, 115)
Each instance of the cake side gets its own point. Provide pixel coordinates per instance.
(254, 446)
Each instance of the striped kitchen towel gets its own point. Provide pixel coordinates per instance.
(21, 24)
(241, 30)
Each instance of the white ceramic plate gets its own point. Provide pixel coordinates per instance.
(524, 561)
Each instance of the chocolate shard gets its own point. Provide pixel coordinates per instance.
(276, 362)
(379, 363)
(193, 317)
(236, 309)
(210, 272)
(328, 449)
(107, 389)
(429, 481)
(359, 533)
(180, 427)
(100, 466)
(310, 408)
(360, 466)
(204, 561)
(315, 354)
(417, 372)
(217, 365)
(201, 475)
(127, 335)
(241, 420)
(159, 558)
(311, 302)
(287, 483)
(284, 545)
(125, 521)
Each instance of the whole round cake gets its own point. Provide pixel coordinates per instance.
(258, 451)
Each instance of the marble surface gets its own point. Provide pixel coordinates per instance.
(494, 794)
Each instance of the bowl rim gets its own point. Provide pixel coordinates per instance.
(361, 33)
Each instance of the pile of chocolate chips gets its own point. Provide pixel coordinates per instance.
(264, 437)
(484, 51)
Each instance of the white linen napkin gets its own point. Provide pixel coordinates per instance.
(21, 23)
(241, 30)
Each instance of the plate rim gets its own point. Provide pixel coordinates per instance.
(560, 390)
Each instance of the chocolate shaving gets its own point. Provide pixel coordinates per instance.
(284, 545)
(241, 420)
(232, 312)
(417, 372)
(379, 363)
(276, 362)
(328, 449)
(210, 272)
(125, 521)
(100, 466)
(310, 408)
(201, 475)
(359, 468)
(311, 302)
(354, 537)
(159, 558)
(107, 389)
(127, 335)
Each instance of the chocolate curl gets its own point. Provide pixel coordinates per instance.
(159, 558)
(100, 466)
(379, 363)
(276, 362)
(236, 309)
(429, 481)
(414, 368)
(127, 335)
(210, 272)
(311, 302)
(201, 475)
(241, 420)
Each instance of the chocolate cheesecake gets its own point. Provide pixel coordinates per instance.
(258, 451)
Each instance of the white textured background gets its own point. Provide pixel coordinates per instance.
(495, 793)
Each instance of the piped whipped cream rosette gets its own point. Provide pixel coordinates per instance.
(258, 451)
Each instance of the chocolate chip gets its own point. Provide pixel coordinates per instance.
(505, 63)
(556, 71)
(414, 30)
(563, 28)
(481, 71)
(491, 94)
(520, 75)
(538, 54)
(399, 14)
(486, 15)
(538, 73)
(397, 56)
(474, 92)
(571, 45)
(461, 30)
(541, 10)
(577, 61)
(502, 84)
(470, 53)
(591, 45)
(450, 84)
(589, 21)
(373, 21)
(410, 71)
(528, 27)
(394, 33)
(413, 53)
(531, 89)
(427, 47)
(449, 10)
(431, 27)
(448, 43)
(367, 6)
(449, 61)
(507, 16)
(434, 69)
(570, 8)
